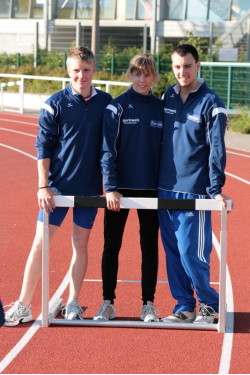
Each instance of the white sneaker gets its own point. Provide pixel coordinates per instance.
(17, 314)
(72, 311)
(149, 313)
(206, 315)
(107, 311)
(180, 317)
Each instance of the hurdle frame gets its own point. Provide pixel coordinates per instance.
(49, 314)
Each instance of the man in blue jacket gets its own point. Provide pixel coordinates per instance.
(192, 166)
(68, 153)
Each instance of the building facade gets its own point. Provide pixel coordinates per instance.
(59, 24)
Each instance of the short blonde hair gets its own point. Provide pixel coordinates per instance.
(81, 53)
(142, 63)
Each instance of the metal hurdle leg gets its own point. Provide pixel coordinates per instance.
(45, 271)
(223, 266)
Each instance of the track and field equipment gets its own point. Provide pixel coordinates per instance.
(48, 316)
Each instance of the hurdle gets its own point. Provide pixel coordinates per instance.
(49, 314)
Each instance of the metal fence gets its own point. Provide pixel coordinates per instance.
(231, 81)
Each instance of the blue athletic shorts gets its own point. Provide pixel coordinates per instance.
(82, 216)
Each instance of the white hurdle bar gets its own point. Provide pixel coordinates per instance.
(48, 315)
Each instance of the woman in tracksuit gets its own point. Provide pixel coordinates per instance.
(130, 159)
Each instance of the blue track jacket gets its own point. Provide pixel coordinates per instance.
(193, 154)
(70, 134)
(132, 131)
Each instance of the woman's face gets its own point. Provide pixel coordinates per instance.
(142, 82)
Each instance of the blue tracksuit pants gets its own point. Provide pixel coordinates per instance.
(187, 241)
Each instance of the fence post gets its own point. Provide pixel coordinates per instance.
(229, 83)
(36, 45)
(18, 60)
(64, 60)
(112, 63)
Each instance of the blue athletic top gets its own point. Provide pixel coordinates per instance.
(132, 131)
(70, 134)
(193, 153)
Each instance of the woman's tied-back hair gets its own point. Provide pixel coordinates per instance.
(142, 63)
(81, 53)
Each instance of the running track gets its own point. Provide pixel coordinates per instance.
(28, 348)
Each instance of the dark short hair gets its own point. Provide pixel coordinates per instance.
(81, 53)
(184, 49)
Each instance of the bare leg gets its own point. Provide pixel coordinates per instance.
(79, 261)
(33, 266)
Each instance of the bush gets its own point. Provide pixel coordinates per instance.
(240, 123)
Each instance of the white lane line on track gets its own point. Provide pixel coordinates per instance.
(238, 178)
(18, 132)
(19, 122)
(17, 150)
(228, 336)
(33, 329)
(238, 154)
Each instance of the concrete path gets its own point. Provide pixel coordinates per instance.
(238, 141)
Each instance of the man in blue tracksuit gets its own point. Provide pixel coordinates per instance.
(132, 135)
(192, 166)
(68, 154)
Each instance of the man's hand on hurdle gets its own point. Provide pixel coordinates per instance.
(113, 200)
(223, 199)
(45, 199)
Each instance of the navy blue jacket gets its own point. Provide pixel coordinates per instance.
(193, 155)
(70, 134)
(132, 131)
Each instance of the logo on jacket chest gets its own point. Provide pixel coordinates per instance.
(131, 121)
(169, 111)
(193, 117)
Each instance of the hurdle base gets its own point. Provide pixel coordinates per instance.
(133, 324)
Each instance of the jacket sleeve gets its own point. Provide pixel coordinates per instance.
(111, 128)
(215, 136)
(48, 130)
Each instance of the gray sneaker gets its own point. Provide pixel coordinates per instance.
(107, 311)
(17, 314)
(206, 315)
(72, 311)
(181, 317)
(149, 313)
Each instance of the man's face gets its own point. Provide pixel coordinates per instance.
(185, 69)
(81, 74)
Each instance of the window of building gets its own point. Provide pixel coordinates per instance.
(197, 10)
(20, 8)
(107, 9)
(144, 10)
(85, 9)
(176, 9)
(219, 10)
(37, 8)
(130, 9)
(239, 7)
(5, 8)
(65, 9)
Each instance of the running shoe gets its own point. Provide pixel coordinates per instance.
(206, 315)
(17, 314)
(181, 317)
(149, 313)
(107, 311)
(72, 311)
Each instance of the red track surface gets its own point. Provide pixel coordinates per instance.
(112, 350)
